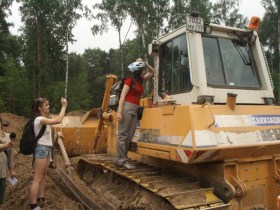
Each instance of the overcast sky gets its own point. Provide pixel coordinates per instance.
(85, 39)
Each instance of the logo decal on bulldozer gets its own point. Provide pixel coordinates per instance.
(205, 138)
(150, 135)
(246, 120)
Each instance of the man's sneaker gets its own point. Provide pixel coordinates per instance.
(128, 166)
(37, 208)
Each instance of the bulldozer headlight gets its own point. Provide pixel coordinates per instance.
(204, 98)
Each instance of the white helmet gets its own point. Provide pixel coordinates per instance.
(136, 66)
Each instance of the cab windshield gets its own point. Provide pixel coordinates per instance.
(229, 63)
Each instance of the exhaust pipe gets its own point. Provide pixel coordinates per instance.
(231, 100)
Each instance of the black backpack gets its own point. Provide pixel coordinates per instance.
(28, 140)
(116, 92)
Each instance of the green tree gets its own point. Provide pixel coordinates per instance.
(46, 24)
(180, 8)
(79, 92)
(149, 17)
(4, 30)
(69, 16)
(15, 88)
(96, 66)
(42, 48)
(132, 51)
(112, 12)
(269, 37)
(227, 12)
(12, 76)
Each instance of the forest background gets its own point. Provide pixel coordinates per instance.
(37, 63)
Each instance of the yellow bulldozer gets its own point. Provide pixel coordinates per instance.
(213, 143)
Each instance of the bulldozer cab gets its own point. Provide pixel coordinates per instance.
(218, 81)
(200, 63)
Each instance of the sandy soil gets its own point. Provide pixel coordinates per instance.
(17, 197)
(121, 193)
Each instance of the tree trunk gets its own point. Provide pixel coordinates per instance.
(67, 58)
(278, 13)
(121, 49)
(38, 57)
(144, 43)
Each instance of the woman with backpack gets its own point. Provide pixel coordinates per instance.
(128, 107)
(42, 153)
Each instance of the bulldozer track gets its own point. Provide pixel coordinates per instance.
(90, 200)
(181, 191)
(86, 201)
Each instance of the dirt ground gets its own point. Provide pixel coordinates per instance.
(17, 197)
(121, 193)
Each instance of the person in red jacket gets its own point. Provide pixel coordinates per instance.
(128, 106)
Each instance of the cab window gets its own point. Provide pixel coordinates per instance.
(174, 74)
(229, 63)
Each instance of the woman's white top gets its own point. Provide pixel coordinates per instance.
(46, 139)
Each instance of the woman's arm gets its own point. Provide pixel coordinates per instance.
(150, 73)
(59, 118)
(150, 70)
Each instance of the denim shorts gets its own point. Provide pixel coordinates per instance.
(42, 151)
